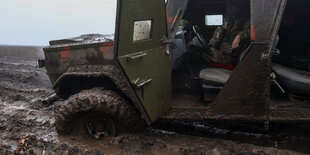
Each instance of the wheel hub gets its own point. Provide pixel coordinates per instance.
(100, 127)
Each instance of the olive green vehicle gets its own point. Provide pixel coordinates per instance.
(151, 69)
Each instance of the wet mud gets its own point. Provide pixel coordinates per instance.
(28, 127)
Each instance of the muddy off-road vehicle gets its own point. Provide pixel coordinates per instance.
(150, 67)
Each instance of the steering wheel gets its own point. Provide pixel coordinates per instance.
(201, 39)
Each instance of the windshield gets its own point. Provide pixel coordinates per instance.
(36, 22)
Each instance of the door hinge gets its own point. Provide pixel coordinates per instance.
(139, 84)
(167, 41)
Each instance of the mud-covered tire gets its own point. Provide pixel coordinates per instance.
(97, 102)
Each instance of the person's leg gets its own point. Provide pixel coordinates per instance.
(217, 57)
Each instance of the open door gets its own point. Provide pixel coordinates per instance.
(246, 94)
(141, 29)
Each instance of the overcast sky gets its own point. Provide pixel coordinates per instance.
(36, 22)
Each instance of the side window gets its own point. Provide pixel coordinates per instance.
(142, 30)
(214, 20)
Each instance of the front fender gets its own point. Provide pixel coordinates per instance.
(79, 78)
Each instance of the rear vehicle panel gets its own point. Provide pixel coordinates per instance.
(60, 57)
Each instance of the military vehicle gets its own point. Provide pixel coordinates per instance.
(124, 83)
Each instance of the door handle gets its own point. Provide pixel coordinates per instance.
(134, 57)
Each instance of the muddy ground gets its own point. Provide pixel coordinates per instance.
(27, 126)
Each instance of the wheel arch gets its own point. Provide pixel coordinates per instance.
(72, 83)
(110, 77)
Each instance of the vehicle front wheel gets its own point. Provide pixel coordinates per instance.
(99, 113)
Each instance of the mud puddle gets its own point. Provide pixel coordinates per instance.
(22, 73)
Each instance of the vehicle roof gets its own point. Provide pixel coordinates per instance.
(82, 39)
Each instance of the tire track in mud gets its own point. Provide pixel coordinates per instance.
(22, 113)
(27, 125)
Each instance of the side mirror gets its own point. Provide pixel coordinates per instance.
(214, 20)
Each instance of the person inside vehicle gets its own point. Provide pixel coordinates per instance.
(230, 39)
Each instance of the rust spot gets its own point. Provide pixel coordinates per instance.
(107, 50)
(108, 43)
(169, 18)
(175, 19)
(65, 53)
(253, 32)
(67, 48)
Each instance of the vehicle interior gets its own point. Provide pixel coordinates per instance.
(196, 83)
(291, 59)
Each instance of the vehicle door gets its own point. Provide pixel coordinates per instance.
(142, 55)
(247, 92)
